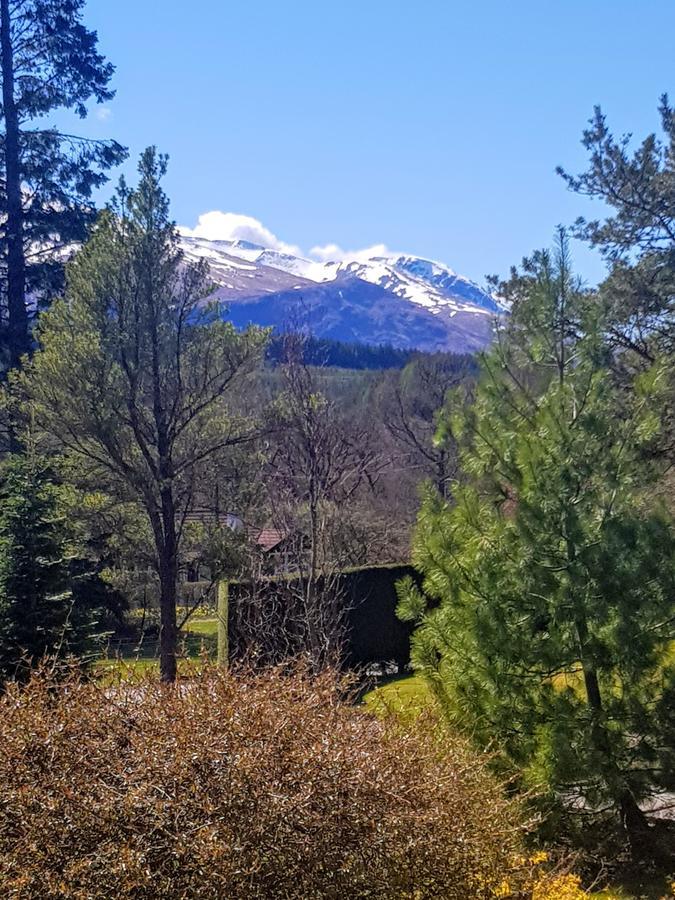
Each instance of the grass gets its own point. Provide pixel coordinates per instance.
(198, 637)
(654, 888)
(207, 627)
(112, 671)
(406, 696)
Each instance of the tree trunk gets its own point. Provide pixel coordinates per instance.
(168, 632)
(168, 577)
(634, 821)
(632, 818)
(223, 622)
(311, 591)
(16, 264)
(441, 475)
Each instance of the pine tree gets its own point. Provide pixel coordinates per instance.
(48, 61)
(136, 369)
(40, 612)
(547, 612)
(637, 238)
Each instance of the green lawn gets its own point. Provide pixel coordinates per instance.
(199, 636)
(405, 696)
(203, 626)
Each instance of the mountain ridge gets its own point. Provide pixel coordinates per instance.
(402, 300)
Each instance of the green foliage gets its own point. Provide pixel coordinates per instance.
(50, 61)
(549, 584)
(133, 340)
(636, 184)
(638, 237)
(136, 370)
(49, 598)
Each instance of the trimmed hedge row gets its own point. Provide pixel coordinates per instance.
(374, 634)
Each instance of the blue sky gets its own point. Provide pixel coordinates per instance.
(431, 127)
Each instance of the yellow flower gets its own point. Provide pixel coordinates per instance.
(560, 887)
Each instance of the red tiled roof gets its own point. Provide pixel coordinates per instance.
(269, 538)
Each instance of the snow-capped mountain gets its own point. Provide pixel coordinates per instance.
(401, 300)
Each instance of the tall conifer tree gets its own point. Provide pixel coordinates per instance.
(48, 60)
(42, 609)
(547, 616)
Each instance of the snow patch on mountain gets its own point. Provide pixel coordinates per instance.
(401, 299)
(421, 281)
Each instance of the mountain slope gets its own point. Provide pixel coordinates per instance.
(400, 300)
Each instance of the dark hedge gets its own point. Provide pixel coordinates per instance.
(374, 634)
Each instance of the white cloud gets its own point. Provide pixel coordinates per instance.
(335, 253)
(228, 226)
(103, 113)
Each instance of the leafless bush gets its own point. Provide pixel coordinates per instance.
(272, 620)
(239, 786)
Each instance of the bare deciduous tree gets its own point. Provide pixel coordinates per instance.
(320, 463)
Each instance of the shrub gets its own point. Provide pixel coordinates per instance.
(50, 599)
(241, 786)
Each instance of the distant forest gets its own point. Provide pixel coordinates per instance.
(342, 355)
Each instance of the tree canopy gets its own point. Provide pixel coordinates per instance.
(546, 619)
(637, 238)
(49, 60)
(136, 369)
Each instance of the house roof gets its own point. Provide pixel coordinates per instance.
(266, 538)
(269, 538)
